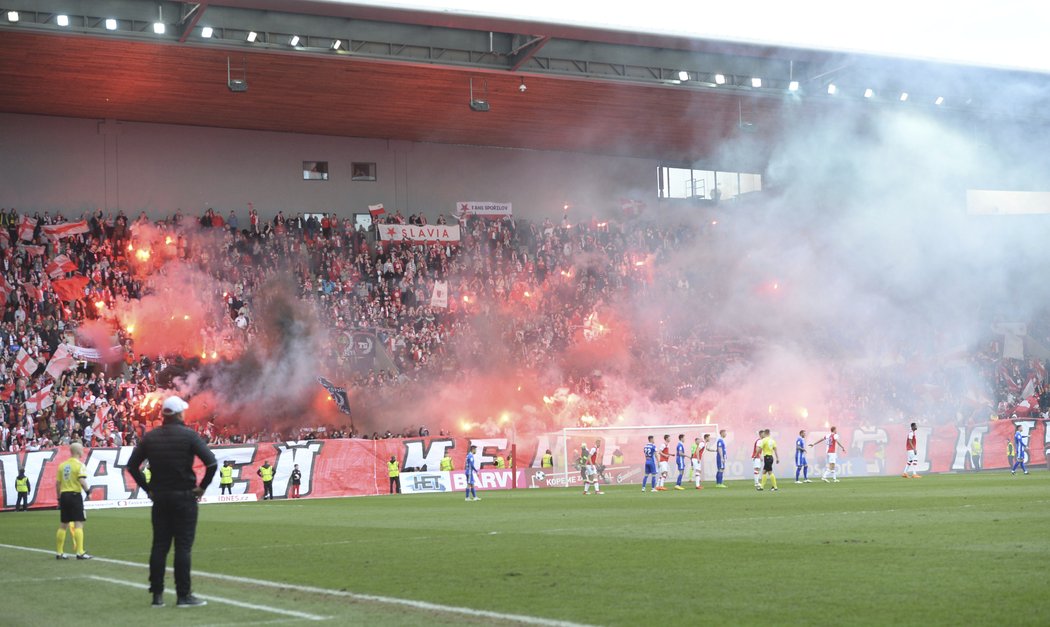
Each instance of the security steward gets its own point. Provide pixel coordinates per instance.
(22, 487)
(266, 472)
(446, 463)
(170, 450)
(226, 477)
(548, 460)
(394, 470)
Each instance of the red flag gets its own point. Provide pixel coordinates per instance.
(71, 288)
(59, 266)
(33, 249)
(376, 210)
(40, 400)
(24, 364)
(33, 292)
(58, 231)
(25, 228)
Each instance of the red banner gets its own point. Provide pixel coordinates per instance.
(333, 468)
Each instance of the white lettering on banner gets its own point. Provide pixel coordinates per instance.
(288, 455)
(962, 445)
(862, 438)
(922, 448)
(486, 479)
(482, 457)
(240, 456)
(104, 470)
(418, 234)
(419, 455)
(33, 468)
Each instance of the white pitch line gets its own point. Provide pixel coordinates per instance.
(420, 605)
(208, 597)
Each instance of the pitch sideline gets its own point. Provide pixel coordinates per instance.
(419, 605)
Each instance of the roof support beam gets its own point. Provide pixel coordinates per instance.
(189, 21)
(520, 55)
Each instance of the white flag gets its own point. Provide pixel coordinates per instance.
(439, 297)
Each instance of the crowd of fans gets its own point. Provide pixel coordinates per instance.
(518, 292)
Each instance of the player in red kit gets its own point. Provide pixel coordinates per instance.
(665, 458)
(756, 458)
(912, 447)
(834, 445)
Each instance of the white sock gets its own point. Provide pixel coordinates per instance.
(825, 475)
(697, 477)
(597, 488)
(835, 474)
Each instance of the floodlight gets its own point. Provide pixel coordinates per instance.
(832, 89)
(756, 82)
(683, 75)
(337, 44)
(12, 16)
(904, 96)
(939, 101)
(720, 79)
(111, 24)
(793, 86)
(294, 41)
(207, 32)
(62, 20)
(869, 92)
(158, 28)
(252, 36)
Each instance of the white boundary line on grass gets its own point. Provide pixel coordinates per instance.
(241, 604)
(419, 605)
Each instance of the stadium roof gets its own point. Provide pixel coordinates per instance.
(368, 71)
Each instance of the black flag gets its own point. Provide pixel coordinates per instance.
(338, 395)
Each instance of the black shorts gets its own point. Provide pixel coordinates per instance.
(71, 507)
(767, 463)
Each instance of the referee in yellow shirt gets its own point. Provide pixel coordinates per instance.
(71, 485)
(769, 453)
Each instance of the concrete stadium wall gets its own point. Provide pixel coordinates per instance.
(75, 165)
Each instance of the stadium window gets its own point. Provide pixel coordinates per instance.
(675, 182)
(315, 170)
(362, 171)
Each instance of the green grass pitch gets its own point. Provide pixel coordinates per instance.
(947, 549)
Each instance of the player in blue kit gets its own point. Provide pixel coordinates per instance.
(470, 472)
(720, 459)
(649, 450)
(679, 460)
(801, 465)
(1020, 449)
